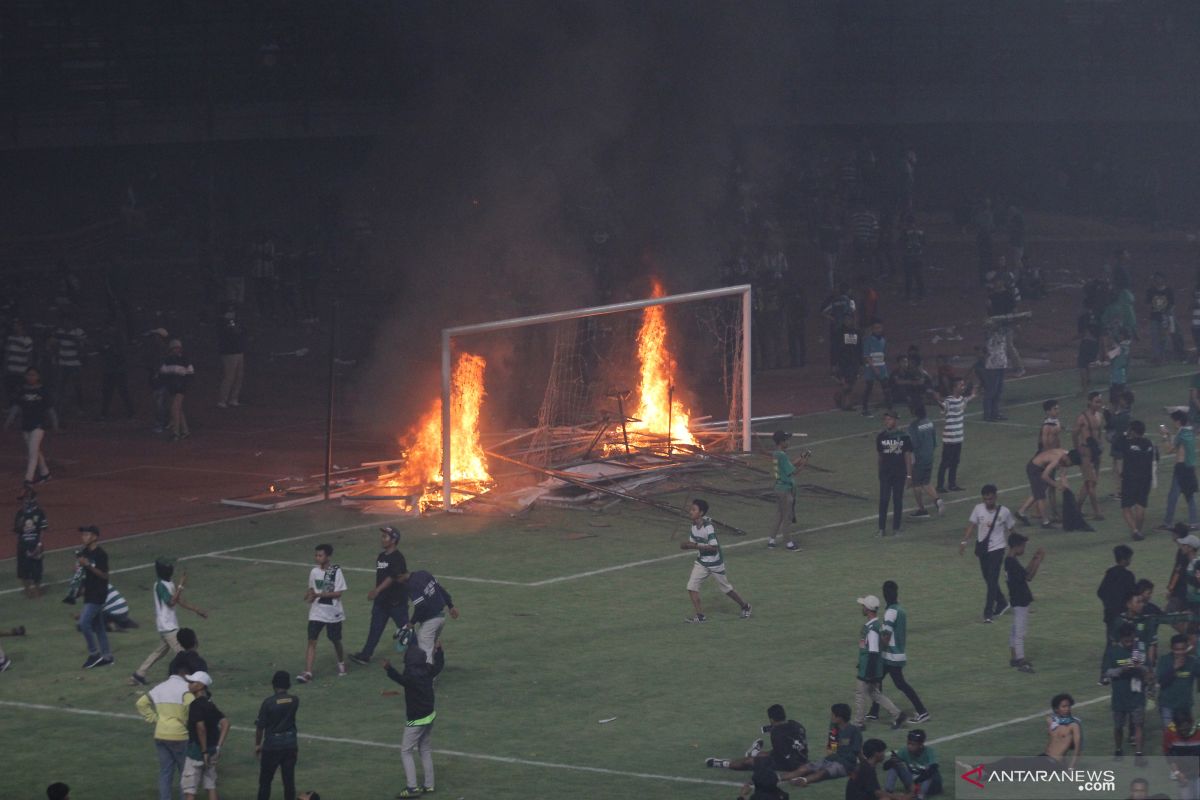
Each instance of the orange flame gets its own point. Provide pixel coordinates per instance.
(658, 411)
(423, 462)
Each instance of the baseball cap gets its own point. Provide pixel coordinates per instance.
(870, 601)
(917, 736)
(1191, 540)
(781, 436)
(392, 532)
(199, 677)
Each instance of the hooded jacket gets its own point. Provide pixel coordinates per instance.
(417, 680)
(166, 706)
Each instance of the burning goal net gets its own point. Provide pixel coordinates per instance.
(656, 376)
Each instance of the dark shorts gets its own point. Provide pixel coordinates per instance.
(29, 569)
(922, 473)
(1094, 450)
(1135, 494)
(1037, 486)
(333, 630)
(1089, 350)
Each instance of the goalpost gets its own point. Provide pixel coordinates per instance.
(741, 373)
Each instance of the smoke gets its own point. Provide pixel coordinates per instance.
(553, 158)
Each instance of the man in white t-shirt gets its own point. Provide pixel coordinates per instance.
(326, 583)
(167, 595)
(989, 526)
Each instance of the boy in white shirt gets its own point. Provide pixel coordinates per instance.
(326, 584)
(167, 595)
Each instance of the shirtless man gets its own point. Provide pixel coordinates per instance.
(1049, 438)
(1085, 437)
(1040, 471)
(1065, 736)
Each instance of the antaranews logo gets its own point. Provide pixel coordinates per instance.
(1045, 778)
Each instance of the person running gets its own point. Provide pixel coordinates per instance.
(841, 751)
(953, 411)
(1183, 479)
(874, 359)
(417, 680)
(1018, 578)
(789, 746)
(923, 435)
(430, 604)
(785, 470)
(28, 526)
(35, 407)
(709, 561)
(207, 728)
(869, 685)
(989, 526)
(326, 585)
(275, 737)
(1042, 472)
(1085, 438)
(894, 633)
(1137, 475)
(390, 599)
(94, 562)
(167, 595)
(894, 458)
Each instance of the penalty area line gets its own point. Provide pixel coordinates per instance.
(525, 762)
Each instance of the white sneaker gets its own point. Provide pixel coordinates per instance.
(341, 670)
(304, 677)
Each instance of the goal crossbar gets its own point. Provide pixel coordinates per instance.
(594, 311)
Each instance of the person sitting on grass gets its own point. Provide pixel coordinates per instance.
(1125, 666)
(789, 746)
(916, 767)
(764, 783)
(863, 781)
(841, 752)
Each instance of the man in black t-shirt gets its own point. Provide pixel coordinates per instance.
(207, 728)
(1138, 457)
(94, 562)
(789, 746)
(275, 737)
(389, 595)
(863, 782)
(894, 456)
(1019, 596)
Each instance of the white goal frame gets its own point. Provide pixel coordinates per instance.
(448, 335)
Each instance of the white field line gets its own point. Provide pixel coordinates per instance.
(395, 746)
(1015, 721)
(371, 570)
(613, 568)
(228, 550)
(980, 413)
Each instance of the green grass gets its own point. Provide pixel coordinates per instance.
(532, 669)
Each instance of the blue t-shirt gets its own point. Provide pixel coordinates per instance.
(874, 348)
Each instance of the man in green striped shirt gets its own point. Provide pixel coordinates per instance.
(709, 561)
(869, 685)
(893, 632)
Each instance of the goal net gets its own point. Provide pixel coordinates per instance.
(663, 374)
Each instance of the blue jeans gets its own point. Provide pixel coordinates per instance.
(1173, 498)
(91, 624)
(170, 762)
(993, 387)
(927, 787)
(380, 614)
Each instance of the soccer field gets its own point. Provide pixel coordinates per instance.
(572, 618)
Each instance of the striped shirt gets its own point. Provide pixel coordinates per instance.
(18, 354)
(703, 533)
(69, 347)
(864, 225)
(1196, 308)
(895, 623)
(953, 409)
(115, 603)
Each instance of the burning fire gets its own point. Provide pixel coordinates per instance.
(657, 410)
(423, 462)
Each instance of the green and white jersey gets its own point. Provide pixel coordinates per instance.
(326, 609)
(703, 533)
(164, 615)
(868, 643)
(895, 622)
